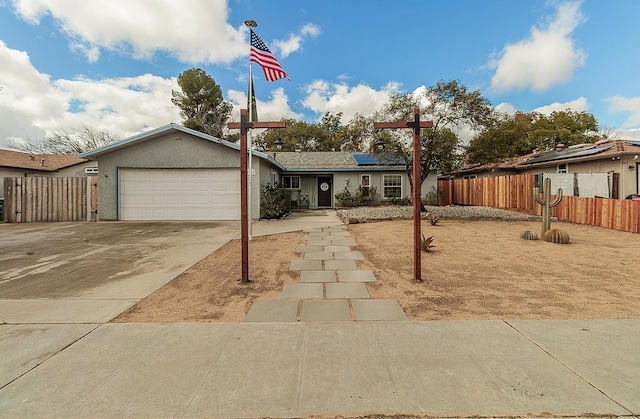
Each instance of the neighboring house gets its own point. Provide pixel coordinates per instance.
(619, 157)
(175, 173)
(20, 164)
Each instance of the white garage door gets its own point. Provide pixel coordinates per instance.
(177, 194)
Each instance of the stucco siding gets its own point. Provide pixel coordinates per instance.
(169, 151)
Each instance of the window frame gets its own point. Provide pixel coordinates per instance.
(559, 168)
(368, 177)
(91, 170)
(385, 186)
(291, 178)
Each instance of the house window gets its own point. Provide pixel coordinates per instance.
(470, 177)
(562, 168)
(91, 170)
(291, 182)
(391, 186)
(274, 178)
(365, 181)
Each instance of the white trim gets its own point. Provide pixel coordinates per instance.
(384, 187)
(368, 175)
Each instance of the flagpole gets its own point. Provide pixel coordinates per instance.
(250, 24)
(250, 145)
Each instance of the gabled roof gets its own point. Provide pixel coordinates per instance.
(154, 133)
(40, 162)
(603, 149)
(328, 161)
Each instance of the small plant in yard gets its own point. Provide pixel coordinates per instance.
(433, 220)
(276, 201)
(360, 198)
(433, 198)
(426, 243)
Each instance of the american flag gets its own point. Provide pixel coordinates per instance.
(260, 54)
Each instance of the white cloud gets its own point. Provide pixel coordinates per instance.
(323, 96)
(507, 108)
(621, 104)
(285, 47)
(32, 104)
(546, 58)
(578, 105)
(272, 110)
(193, 31)
(632, 134)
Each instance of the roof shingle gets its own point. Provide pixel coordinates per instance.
(41, 162)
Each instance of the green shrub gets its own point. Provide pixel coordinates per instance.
(276, 201)
(433, 198)
(362, 197)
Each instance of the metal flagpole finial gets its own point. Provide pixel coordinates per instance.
(250, 23)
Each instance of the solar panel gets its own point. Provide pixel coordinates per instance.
(364, 159)
(566, 154)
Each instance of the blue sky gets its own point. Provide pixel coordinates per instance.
(112, 64)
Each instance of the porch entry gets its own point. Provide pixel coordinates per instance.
(325, 191)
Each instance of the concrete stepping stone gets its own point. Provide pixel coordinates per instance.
(318, 276)
(353, 255)
(309, 248)
(299, 291)
(340, 264)
(378, 310)
(305, 265)
(317, 242)
(340, 233)
(354, 290)
(353, 275)
(325, 310)
(318, 256)
(342, 242)
(273, 311)
(336, 249)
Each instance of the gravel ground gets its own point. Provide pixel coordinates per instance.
(395, 212)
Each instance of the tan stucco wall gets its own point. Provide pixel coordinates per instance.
(627, 179)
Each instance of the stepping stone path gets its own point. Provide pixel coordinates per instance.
(331, 287)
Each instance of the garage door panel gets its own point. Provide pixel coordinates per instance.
(175, 194)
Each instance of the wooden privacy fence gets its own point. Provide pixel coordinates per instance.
(50, 199)
(515, 193)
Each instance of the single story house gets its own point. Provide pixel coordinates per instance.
(617, 157)
(175, 173)
(21, 164)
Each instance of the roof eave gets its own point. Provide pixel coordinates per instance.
(147, 135)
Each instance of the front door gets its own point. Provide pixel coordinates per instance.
(325, 191)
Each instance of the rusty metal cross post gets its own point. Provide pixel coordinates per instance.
(244, 125)
(417, 201)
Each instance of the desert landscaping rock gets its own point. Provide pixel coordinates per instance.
(396, 212)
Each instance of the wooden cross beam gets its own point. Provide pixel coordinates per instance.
(244, 125)
(416, 125)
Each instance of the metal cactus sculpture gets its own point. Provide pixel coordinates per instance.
(546, 203)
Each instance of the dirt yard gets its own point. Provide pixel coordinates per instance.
(477, 270)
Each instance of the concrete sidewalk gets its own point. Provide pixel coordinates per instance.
(74, 366)
(449, 368)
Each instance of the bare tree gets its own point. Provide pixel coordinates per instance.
(67, 142)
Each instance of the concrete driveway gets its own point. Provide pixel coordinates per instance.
(91, 272)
